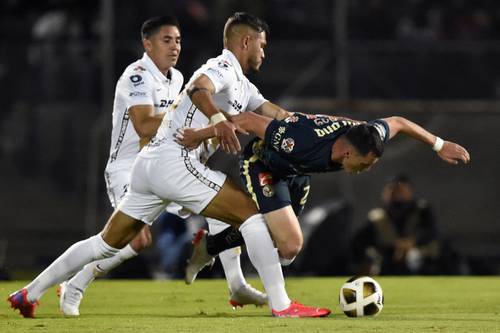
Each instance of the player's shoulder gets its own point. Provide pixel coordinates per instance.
(220, 64)
(137, 67)
(135, 74)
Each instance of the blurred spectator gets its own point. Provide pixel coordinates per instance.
(401, 236)
(173, 244)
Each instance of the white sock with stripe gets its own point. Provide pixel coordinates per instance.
(83, 278)
(72, 260)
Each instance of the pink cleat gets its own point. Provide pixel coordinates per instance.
(297, 310)
(19, 300)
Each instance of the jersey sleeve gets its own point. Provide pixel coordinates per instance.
(137, 87)
(382, 128)
(255, 98)
(220, 72)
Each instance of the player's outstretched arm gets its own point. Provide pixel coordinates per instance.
(249, 122)
(447, 150)
(273, 111)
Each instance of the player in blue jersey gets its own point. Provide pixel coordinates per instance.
(275, 166)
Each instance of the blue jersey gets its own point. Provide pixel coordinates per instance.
(302, 144)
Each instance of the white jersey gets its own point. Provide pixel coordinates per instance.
(234, 94)
(141, 83)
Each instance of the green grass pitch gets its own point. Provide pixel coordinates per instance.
(412, 304)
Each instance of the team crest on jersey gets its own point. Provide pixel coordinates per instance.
(287, 145)
(223, 64)
(291, 119)
(268, 190)
(265, 178)
(140, 68)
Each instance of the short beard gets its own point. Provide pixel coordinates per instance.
(253, 71)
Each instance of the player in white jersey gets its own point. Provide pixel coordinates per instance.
(166, 172)
(143, 94)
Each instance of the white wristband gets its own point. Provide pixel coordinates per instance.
(438, 145)
(217, 118)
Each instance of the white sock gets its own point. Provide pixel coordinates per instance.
(83, 278)
(72, 260)
(264, 257)
(230, 259)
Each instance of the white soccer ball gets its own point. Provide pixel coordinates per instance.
(361, 296)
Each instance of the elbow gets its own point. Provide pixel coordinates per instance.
(396, 124)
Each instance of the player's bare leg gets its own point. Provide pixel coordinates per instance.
(286, 232)
(71, 292)
(232, 205)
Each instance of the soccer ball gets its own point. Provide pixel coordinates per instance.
(361, 296)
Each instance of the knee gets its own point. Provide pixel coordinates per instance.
(143, 240)
(290, 248)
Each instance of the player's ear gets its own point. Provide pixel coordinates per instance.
(246, 42)
(148, 46)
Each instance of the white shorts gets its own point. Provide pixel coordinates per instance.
(156, 182)
(117, 183)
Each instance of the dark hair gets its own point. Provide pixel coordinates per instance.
(153, 25)
(249, 20)
(365, 138)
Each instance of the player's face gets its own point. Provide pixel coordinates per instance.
(356, 163)
(164, 47)
(256, 55)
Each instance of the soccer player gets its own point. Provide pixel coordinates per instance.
(274, 164)
(144, 92)
(166, 172)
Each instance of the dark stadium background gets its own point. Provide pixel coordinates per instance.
(436, 62)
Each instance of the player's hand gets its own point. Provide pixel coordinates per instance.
(226, 133)
(187, 137)
(453, 153)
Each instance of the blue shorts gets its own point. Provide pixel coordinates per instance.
(268, 189)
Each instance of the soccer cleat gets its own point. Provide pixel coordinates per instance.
(69, 299)
(200, 257)
(247, 295)
(297, 310)
(19, 300)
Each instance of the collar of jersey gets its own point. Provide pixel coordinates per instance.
(150, 65)
(234, 62)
